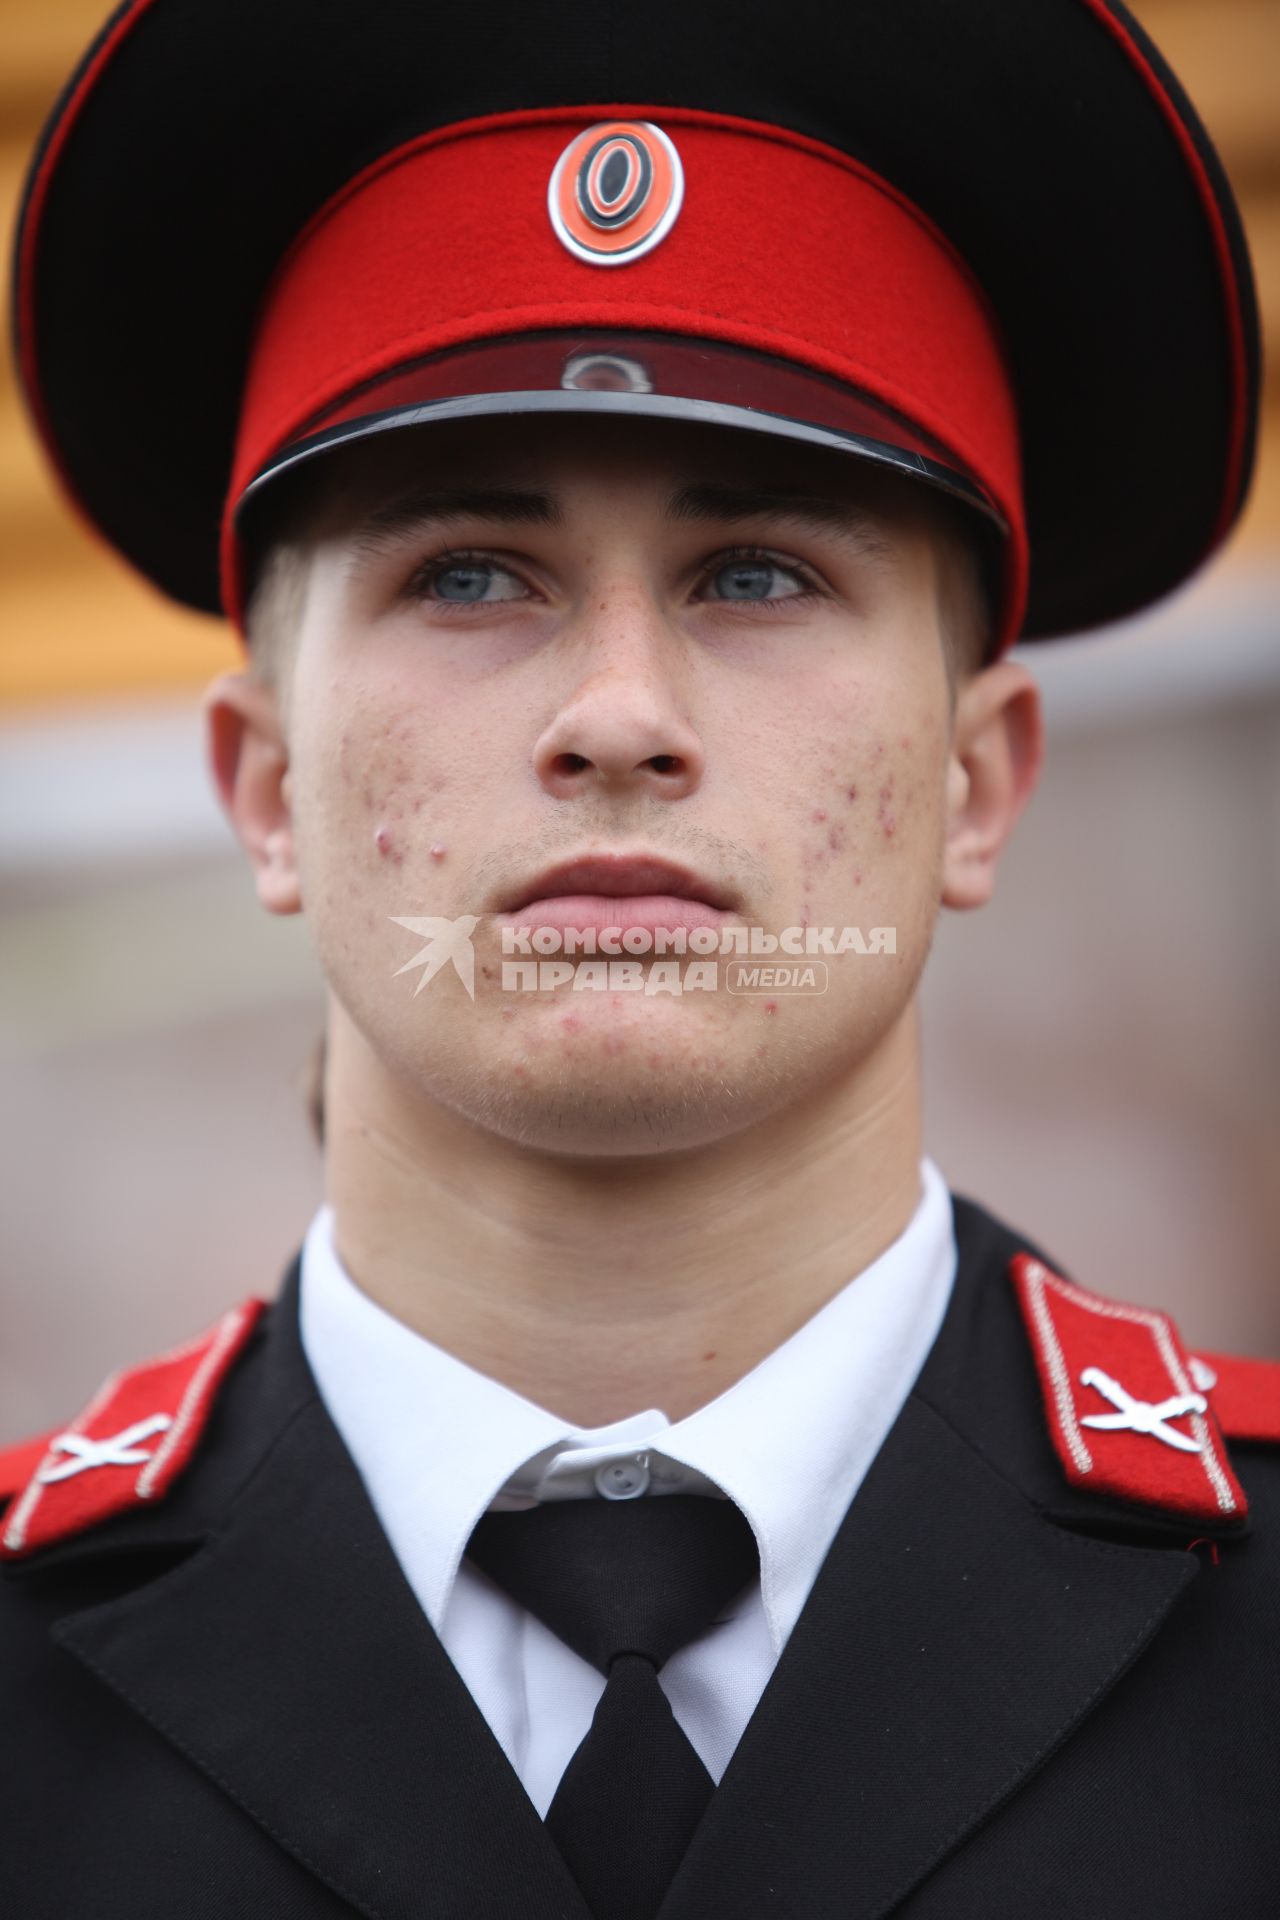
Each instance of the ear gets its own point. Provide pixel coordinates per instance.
(248, 757)
(997, 749)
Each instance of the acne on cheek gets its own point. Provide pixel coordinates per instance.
(889, 799)
(897, 794)
(860, 808)
(386, 770)
(390, 848)
(387, 847)
(886, 818)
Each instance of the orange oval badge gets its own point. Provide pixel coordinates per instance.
(616, 191)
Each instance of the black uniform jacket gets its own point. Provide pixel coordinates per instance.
(1003, 1697)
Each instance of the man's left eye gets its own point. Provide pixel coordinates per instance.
(756, 580)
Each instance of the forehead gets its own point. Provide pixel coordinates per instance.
(678, 468)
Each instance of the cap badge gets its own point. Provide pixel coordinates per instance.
(616, 191)
(605, 373)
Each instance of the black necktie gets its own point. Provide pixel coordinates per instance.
(625, 1583)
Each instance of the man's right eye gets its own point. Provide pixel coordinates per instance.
(465, 582)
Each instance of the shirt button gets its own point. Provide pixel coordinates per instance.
(622, 1479)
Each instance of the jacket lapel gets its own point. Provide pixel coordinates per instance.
(954, 1638)
(964, 1624)
(289, 1660)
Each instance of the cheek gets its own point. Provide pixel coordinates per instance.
(870, 812)
(376, 798)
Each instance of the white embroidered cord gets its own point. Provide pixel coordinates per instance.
(1142, 1416)
(115, 1450)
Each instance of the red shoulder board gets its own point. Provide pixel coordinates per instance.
(130, 1444)
(1244, 1394)
(19, 1462)
(1126, 1414)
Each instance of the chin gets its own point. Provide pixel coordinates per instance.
(613, 1108)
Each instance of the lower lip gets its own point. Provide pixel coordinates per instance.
(601, 911)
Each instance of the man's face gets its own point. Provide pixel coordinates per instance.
(628, 638)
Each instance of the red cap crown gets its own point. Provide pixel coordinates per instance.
(774, 243)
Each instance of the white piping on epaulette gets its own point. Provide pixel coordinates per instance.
(190, 1402)
(1037, 1279)
(1157, 1325)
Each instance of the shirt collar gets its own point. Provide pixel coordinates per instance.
(436, 1442)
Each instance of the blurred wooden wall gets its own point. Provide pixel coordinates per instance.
(74, 621)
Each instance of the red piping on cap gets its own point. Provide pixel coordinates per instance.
(782, 245)
(80, 88)
(1222, 251)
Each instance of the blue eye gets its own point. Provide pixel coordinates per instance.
(468, 581)
(753, 579)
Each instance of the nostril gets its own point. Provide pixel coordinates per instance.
(570, 763)
(664, 763)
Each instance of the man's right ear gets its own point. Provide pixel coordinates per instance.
(248, 758)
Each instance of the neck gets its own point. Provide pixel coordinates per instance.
(599, 1288)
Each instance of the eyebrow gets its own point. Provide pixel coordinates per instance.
(409, 512)
(796, 506)
(707, 501)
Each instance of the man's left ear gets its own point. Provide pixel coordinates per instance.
(997, 749)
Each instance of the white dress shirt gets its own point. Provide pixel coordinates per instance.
(436, 1443)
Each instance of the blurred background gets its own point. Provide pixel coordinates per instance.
(1102, 1043)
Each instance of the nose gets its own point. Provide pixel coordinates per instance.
(622, 725)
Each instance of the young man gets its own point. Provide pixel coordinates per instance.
(634, 449)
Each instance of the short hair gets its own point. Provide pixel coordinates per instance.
(970, 568)
(276, 541)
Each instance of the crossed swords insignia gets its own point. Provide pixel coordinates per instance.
(114, 1450)
(1142, 1416)
(124, 1449)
